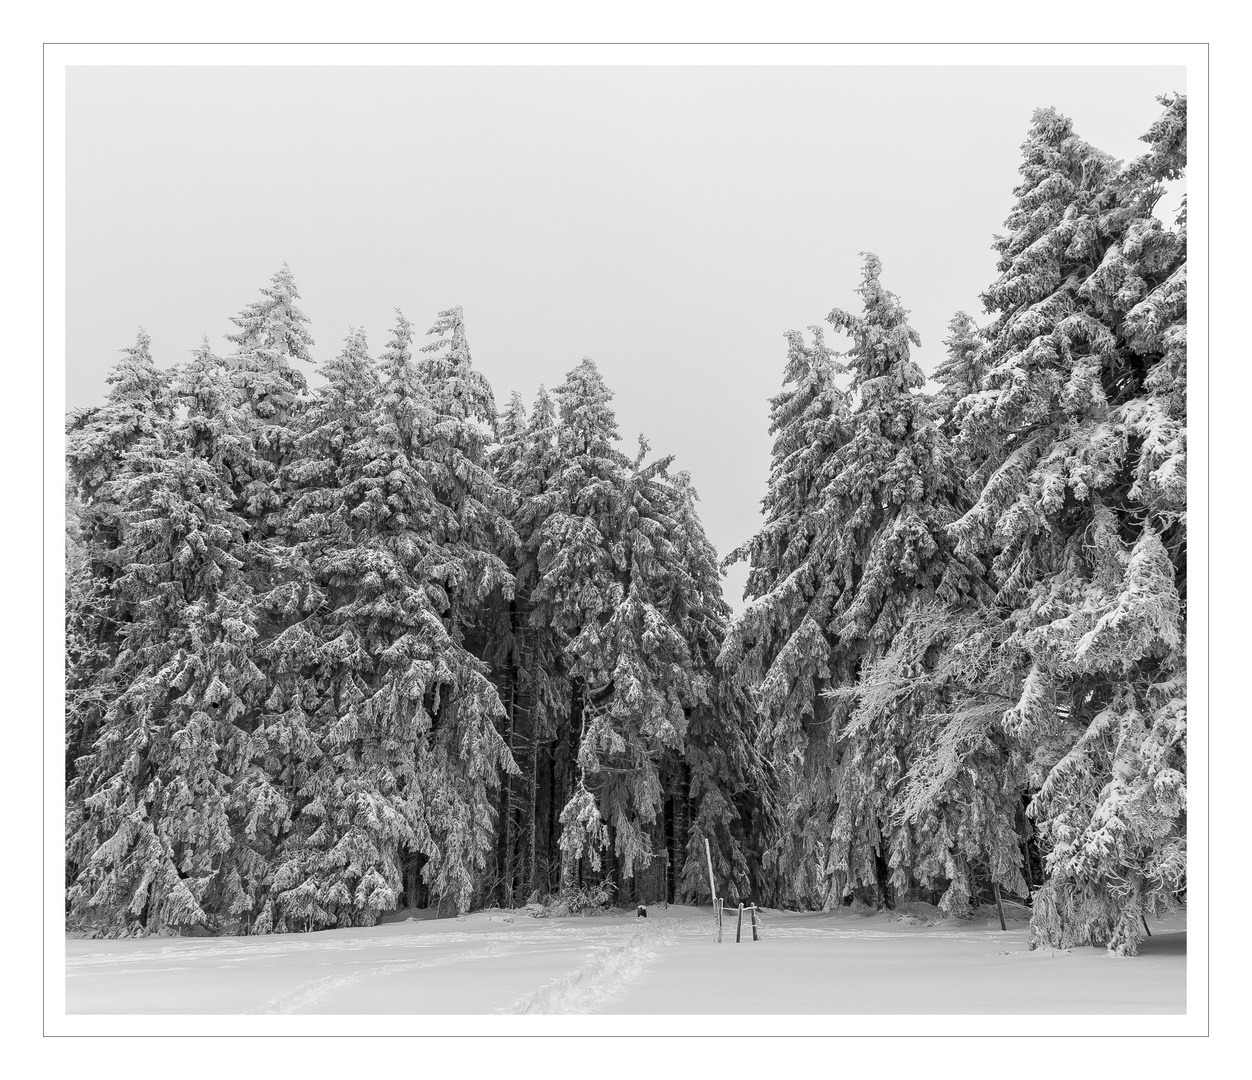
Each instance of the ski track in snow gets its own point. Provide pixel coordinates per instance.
(593, 984)
(311, 992)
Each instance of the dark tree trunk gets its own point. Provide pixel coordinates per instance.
(1031, 855)
(415, 892)
(554, 783)
(682, 824)
(668, 835)
(504, 828)
(571, 870)
(882, 873)
(611, 877)
(532, 815)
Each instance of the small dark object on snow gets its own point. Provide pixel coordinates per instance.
(642, 913)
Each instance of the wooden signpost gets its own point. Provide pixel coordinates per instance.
(717, 907)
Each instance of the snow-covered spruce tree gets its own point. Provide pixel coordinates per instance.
(604, 553)
(468, 530)
(638, 675)
(960, 805)
(1081, 426)
(154, 845)
(778, 647)
(578, 589)
(97, 440)
(895, 489)
(336, 864)
(397, 506)
(272, 333)
(272, 339)
(961, 372)
(852, 551)
(218, 429)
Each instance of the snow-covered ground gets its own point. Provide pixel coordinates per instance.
(503, 963)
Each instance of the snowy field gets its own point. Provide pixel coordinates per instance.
(501, 963)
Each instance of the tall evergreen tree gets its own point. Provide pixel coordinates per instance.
(779, 647)
(578, 590)
(852, 549)
(339, 847)
(894, 491)
(272, 340)
(154, 842)
(271, 343)
(139, 403)
(1081, 427)
(638, 675)
(272, 335)
(217, 429)
(469, 529)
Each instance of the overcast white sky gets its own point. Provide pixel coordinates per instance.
(671, 223)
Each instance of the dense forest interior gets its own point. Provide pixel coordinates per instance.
(376, 641)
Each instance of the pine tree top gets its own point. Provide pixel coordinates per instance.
(398, 352)
(512, 421)
(1167, 138)
(588, 423)
(274, 322)
(881, 335)
(135, 376)
(139, 400)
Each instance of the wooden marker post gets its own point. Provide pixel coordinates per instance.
(754, 937)
(708, 854)
(739, 924)
(717, 908)
(995, 887)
